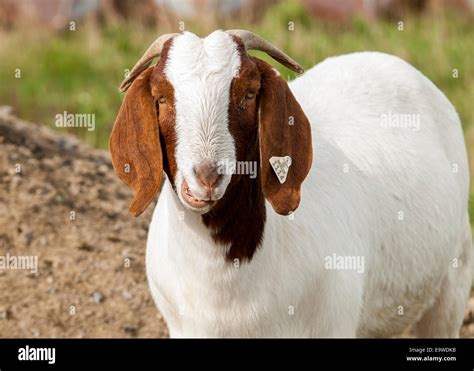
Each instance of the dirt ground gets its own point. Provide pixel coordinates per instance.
(67, 207)
(60, 201)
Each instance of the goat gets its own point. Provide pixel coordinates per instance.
(381, 240)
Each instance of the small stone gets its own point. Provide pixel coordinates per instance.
(48, 264)
(112, 214)
(98, 297)
(28, 237)
(84, 246)
(113, 238)
(132, 330)
(103, 194)
(66, 146)
(5, 313)
(67, 162)
(33, 275)
(102, 169)
(59, 199)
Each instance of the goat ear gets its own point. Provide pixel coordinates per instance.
(135, 144)
(285, 142)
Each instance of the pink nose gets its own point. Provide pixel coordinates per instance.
(208, 176)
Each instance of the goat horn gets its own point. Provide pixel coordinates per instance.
(254, 42)
(153, 51)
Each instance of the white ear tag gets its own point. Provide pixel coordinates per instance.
(281, 166)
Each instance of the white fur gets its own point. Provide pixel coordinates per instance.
(201, 72)
(396, 197)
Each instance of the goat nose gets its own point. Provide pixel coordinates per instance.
(208, 176)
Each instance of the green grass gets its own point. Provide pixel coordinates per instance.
(79, 71)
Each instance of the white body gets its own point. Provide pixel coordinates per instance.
(394, 196)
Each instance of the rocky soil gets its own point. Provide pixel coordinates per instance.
(60, 201)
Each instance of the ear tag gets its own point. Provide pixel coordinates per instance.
(280, 166)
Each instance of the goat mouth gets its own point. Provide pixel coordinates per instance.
(191, 200)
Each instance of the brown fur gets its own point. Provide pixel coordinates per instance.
(284, 131)
(134, 145)
(136, 140)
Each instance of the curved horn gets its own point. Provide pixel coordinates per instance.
(254, 42)
(153, 51)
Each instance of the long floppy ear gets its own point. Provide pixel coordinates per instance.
(285, 141)
(135, 144)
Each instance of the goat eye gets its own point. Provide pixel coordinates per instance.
(249, 95)
(161, 100)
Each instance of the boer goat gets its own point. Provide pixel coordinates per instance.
(381, 239)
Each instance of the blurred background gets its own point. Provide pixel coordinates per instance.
(71, 55)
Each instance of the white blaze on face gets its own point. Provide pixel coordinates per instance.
(201, 72)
